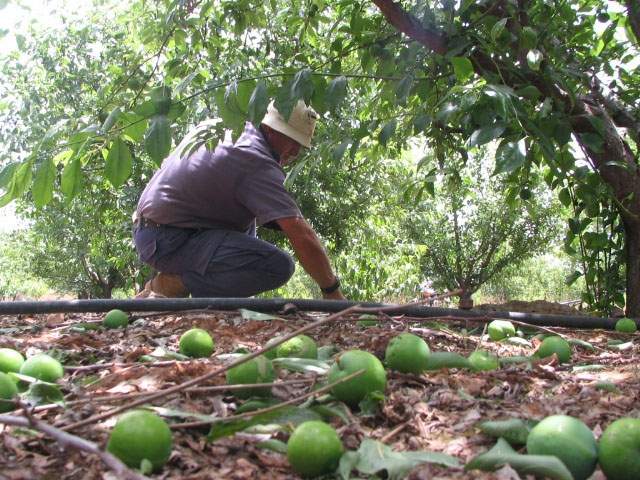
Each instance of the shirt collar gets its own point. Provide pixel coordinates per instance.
(253, 138)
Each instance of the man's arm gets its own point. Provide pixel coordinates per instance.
(310, 253)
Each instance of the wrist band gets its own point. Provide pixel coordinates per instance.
(332, 288)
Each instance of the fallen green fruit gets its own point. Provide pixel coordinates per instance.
(141, 435)
(8, 390)
(115, 319)
(481, 360)
(501, 329)
(626, 325)
(407, 353)
(196, 343)
(314, 449)
(567, 438)
(300, 346)
(619, 450)
(10, 360)
(557, 345)
(43, 367)
(355, 390)
(256, 370)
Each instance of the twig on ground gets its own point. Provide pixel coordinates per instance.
(253, 413)
(69, 440)
(101, 366)
(395, 431)
(195, 381)
(128, 396)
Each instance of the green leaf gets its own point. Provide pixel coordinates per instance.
(510, 156)
(374, 457)
(273, 445)
(251, 315)
(119, 162)
(111, 120)
(498, 29)
(438, 360)
(403, 88)
(258, 103)
(513, 430)
(387, 131)
(133, 125)
(302, 365)
(502, 454)
(486, 134)
(71, 181)
(157, 142)
(534, 59)
(287, 416)
(6, 174)
(565, 197)
(19, 181)
(302, 86)
(161, 98)
(41, 393)
(593, 140)
(463, 68)
(338, 151)
(43, 183)
(336, 92)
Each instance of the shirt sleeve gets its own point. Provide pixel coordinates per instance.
(264, 195)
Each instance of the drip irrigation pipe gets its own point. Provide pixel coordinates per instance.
(270, 305)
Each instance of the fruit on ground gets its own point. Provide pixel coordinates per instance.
(619, 450)
(300, 346)
(626, 325)
(139, 435)
(115, 319)
(273, 353)
(568, 439)
(8, 390)
(557, 345)
(367, 320)
(256, 370)
(43, 367)
(196, 343)
(355, 390)
(10, 360)
(407, 353)
(314, 449)
(501, 329)
(481, 360)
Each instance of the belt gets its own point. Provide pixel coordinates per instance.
(140, 221)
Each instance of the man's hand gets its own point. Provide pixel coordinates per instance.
(310, 253)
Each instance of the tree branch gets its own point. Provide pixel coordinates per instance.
(410, 26)
(633, 12)
(68, 440)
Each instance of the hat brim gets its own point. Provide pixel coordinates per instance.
(283, 127)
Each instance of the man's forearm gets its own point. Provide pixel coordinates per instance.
(313, 258)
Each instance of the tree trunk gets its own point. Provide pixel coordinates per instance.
(632, 251)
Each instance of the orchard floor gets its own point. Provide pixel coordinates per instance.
(437, 411)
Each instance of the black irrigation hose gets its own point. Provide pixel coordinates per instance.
(278, 304)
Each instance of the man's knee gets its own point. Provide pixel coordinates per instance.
(282, 267)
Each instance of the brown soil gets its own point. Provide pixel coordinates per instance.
(437, 411)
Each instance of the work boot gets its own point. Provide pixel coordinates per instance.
(164, 285)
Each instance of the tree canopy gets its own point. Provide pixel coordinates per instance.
(553, 84)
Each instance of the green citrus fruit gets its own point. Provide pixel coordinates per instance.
(115, 319)
(355, 390)
(407, 353)
(256, 370)
(196, 343)
(481, 360)
(568, 439)
(626, 325)
(314, 449)
(140, 435)
(367, 320)
(619, 450)
(557, 345)
(501, 329)
(10, 360)
(300, 347)
(273, 353)
(43, 367)
(8, 390)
